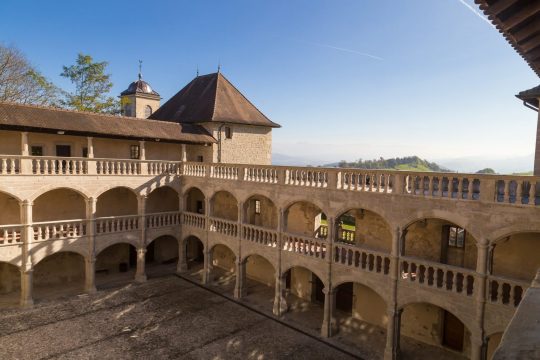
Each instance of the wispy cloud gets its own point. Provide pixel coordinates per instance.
(475, 11)
(350, 51)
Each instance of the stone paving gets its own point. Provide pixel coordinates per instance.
(164, 318)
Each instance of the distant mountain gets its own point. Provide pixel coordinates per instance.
(411, 163)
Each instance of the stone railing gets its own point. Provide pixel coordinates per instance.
(313, 247)
(194, 220)
(436, 275)
(114, 224)
(10, 234)
(53, 230)
(163, 219)
(10, 165)
(224, 227)
(360, 258)
(507, 189)
(259, 235)
(503, 291)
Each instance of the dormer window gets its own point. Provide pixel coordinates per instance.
(147, 111)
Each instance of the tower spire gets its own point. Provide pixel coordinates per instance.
(140, 69)
(219, 67)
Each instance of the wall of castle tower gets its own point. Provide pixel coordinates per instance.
(199, 153)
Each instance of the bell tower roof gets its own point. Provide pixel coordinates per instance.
(139, 87)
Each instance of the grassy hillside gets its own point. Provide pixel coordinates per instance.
(410, 163)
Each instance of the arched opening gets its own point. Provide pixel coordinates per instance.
(260, 282)
(10, 285)
(364, 228)
(194, 253)
(224, 206)
(162, 199)
(59, 204)
(304, 296)
(59, 274)
(362, 318)
(493, 343)
(516, 256)
(118, 201)
(440, 241)
(116, 264)
(194, 201)
(223, 267)
(10, 213)
(161, 256)
(261, 211)
(305, 218)
(440, 332)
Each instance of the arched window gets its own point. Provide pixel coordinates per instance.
(147, 111)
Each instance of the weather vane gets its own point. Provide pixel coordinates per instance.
(140, 69)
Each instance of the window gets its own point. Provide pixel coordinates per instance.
(200, 208)
(456, 237)
(36, 151)
(85, 152)
(200, 158)
(228, 133)
(258, 207)
(147, 111)
(135, 152)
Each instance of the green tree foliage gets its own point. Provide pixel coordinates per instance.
(20, 82)
(404, 163)
(486, 171)
(92, 86)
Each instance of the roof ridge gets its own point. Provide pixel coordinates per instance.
(249, 102)
(51, 108)
(215, 96)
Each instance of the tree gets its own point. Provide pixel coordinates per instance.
(92, 86)
(21, 83)
(486, 171)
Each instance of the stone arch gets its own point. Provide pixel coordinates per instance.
(103, 245)
(10, 205)
(305, 218)
(515, 256)
(10, 193)
(162, 199)
(224, 244)
(290, 202)
(44, 250)
(10, 281)
(47, 188)
(379, 211)
(60, 203)
(195, 200)
(60, 269)
(366, 230)
(452, 217)
(305, 267)
(117, 201)
(162, 249)
(108, 187)
(194, 250)
(507, 231)
(224, 205)
(119, 256)
(359, 280)
(264, 214)
(260, 275)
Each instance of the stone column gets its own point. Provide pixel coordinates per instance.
(207, 272)
(91, 167)
(393, 329)
(280, 303)
(537, 150)
(90, 262)
(142, 149)
(27, 267)
(184, 153)
(329, 322)
(240, 288)
(478, 339)
(182, 259)
(394, 315)
(140, 275)
(26, 164)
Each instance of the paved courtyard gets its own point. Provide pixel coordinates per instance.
(165, 318)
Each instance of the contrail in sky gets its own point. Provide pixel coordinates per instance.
(476, 12)
(348, 50)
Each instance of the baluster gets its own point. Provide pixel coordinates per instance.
(532, 193)
(506, 188)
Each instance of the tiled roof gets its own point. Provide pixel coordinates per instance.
(211, 98)
(530, 96)
(45, 119)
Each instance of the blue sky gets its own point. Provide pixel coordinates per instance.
(346, 79)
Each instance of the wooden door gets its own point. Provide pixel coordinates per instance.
(453, 332)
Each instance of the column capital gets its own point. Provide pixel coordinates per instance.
(329, 291)
(141, 250)
(26, 203)
(27, 268)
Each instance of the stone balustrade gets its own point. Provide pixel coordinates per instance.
(224, 227)
(10, 234)
(436, 275)
(48, 165)
(260, 235)
(10, 165)
(54, 230)
(114, 224)
(503, 291)
(361, 258)
(304, 245)
(163, 219)
(197, 221)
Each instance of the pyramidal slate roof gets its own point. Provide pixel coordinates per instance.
(211, 98)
